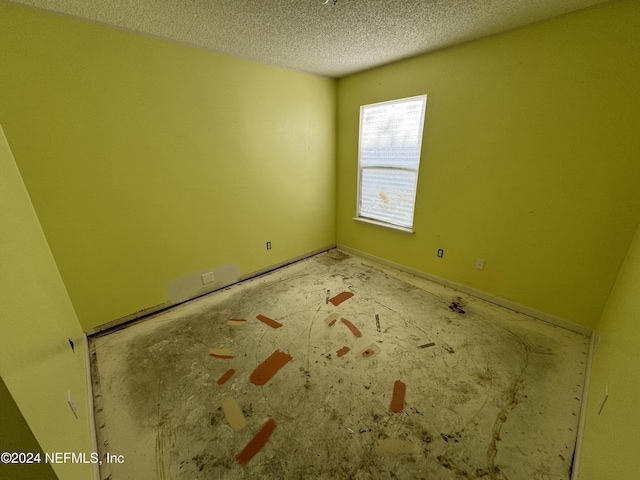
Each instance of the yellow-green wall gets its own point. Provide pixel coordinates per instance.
(611, 439)
(37, 364)
(148, 160)
(529, 160)
(16, 436)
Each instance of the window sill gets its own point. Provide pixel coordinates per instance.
(388, 226)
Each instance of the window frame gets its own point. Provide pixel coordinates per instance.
(376, 221)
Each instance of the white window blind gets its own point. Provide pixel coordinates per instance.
(388, 159)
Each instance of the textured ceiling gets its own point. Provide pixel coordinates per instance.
(333, 39)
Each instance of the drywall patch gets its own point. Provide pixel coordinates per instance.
(190, 286)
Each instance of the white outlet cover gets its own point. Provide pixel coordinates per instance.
(72, 404)
(207, 278)
(480, 263)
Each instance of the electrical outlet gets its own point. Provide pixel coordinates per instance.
(440, 253)
(72, 404)
(207, 278)
(268, 245)
(480, 263)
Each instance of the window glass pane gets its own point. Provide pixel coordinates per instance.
(391, 134)
(388, 195)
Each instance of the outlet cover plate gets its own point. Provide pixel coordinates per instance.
(72, 404)
(207, 278)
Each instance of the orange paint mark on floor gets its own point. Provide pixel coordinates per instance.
(331, 319)
(256, 443)
(371, 351)
(267, 369)
(351, 327)
(341, 297)
(343, 351)
(227, 375)
(269, 321)
(397, 401)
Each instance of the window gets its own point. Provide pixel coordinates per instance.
(388, 160)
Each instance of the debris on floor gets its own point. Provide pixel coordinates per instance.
(446, 437)
(268, 321)
(456, 306)
(448, 348)
(378, 322)
(356, 332)
(341, 297)
(227, 375)
(426, 345)
(233, 414)
(257, 442)
(267, 369)
(220, 353)
(397, 400)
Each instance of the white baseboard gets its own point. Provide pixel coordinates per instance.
(276, 266)
(163, 306)
(91, 412)
(577, 456)
(128, 318)
(545, 317)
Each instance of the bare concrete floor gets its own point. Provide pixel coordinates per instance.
(497, 395)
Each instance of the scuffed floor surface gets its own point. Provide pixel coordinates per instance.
(497, 395)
